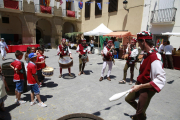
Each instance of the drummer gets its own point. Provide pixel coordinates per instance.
(64, 50)
(82, 49)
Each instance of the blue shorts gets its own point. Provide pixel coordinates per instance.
(35, 89)
(19, 86)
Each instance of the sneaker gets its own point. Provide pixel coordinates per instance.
(33, 103)
(15, 101)
(20, 102)
(42, 104)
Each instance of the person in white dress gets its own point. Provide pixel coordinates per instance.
(3, 45)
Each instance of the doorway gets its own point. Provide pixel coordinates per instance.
(38, 36)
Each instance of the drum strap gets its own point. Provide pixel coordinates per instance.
(65, 48)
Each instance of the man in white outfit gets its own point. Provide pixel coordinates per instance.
(108, 52)
(3, 45)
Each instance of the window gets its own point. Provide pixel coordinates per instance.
(97, 10)
(113, 5)
(5, 19)
(68, 5)
(87, 9)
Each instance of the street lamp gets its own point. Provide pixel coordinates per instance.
(125, 5)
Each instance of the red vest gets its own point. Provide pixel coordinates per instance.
(107, 57)
(145, 68)
(64, 50)
(83, 50)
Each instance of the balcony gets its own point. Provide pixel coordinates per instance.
(163, 16)
(11, 6)
(68, 14)
(45, 11)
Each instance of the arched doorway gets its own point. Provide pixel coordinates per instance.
(38, 36)
(43, 31)
(68, 27)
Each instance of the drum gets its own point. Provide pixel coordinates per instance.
(84, 58)
(65, 62)
(48, 71)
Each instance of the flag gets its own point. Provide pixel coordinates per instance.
(80, 5)
(99, 6)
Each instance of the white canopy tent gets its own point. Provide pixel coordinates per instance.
(100, 30)
(171, 34)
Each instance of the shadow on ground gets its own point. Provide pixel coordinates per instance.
(111, 76)
(6, 114)
(100, 63)
(43, 97)
(88, 72)
(98, 113)
(170, 82)
(66, 76)
(51, 85)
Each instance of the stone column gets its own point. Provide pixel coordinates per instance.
(56, 31)
(28, 28)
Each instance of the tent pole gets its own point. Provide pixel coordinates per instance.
(98, 44)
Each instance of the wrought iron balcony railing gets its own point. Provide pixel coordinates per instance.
(163, 15)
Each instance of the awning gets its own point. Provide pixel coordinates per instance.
(171, 34)
(100, 30)
(120, 34)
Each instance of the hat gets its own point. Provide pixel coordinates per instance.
(83, 39)
(63, 39)
(110, 41)
(144, 35)
(134, 39)
(32, 55)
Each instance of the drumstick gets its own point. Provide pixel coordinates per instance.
(119, 95)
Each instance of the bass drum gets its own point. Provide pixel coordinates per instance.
(65, 62)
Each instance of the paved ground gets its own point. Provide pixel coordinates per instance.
(85, 94)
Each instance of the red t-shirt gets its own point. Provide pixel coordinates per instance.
(17, 76)
(31, 70)
(40, 58)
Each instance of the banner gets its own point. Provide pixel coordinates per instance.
(80, 5)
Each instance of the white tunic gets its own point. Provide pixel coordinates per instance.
(3, 45)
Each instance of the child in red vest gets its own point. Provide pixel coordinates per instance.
(18, 76)
(33, 80)
(40, 63)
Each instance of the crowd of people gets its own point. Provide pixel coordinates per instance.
(151, 77)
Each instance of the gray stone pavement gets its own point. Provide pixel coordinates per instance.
(85, 94)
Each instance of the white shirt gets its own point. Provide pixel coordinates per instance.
(161, 48)
(168, 49)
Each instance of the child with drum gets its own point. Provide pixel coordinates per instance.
(40, 63)
(18, 77)
(63, 50)
(33, 80)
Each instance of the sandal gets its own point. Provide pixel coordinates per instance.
(79, 74)
(122, 82)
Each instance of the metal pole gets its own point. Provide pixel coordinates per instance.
(98, 45)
